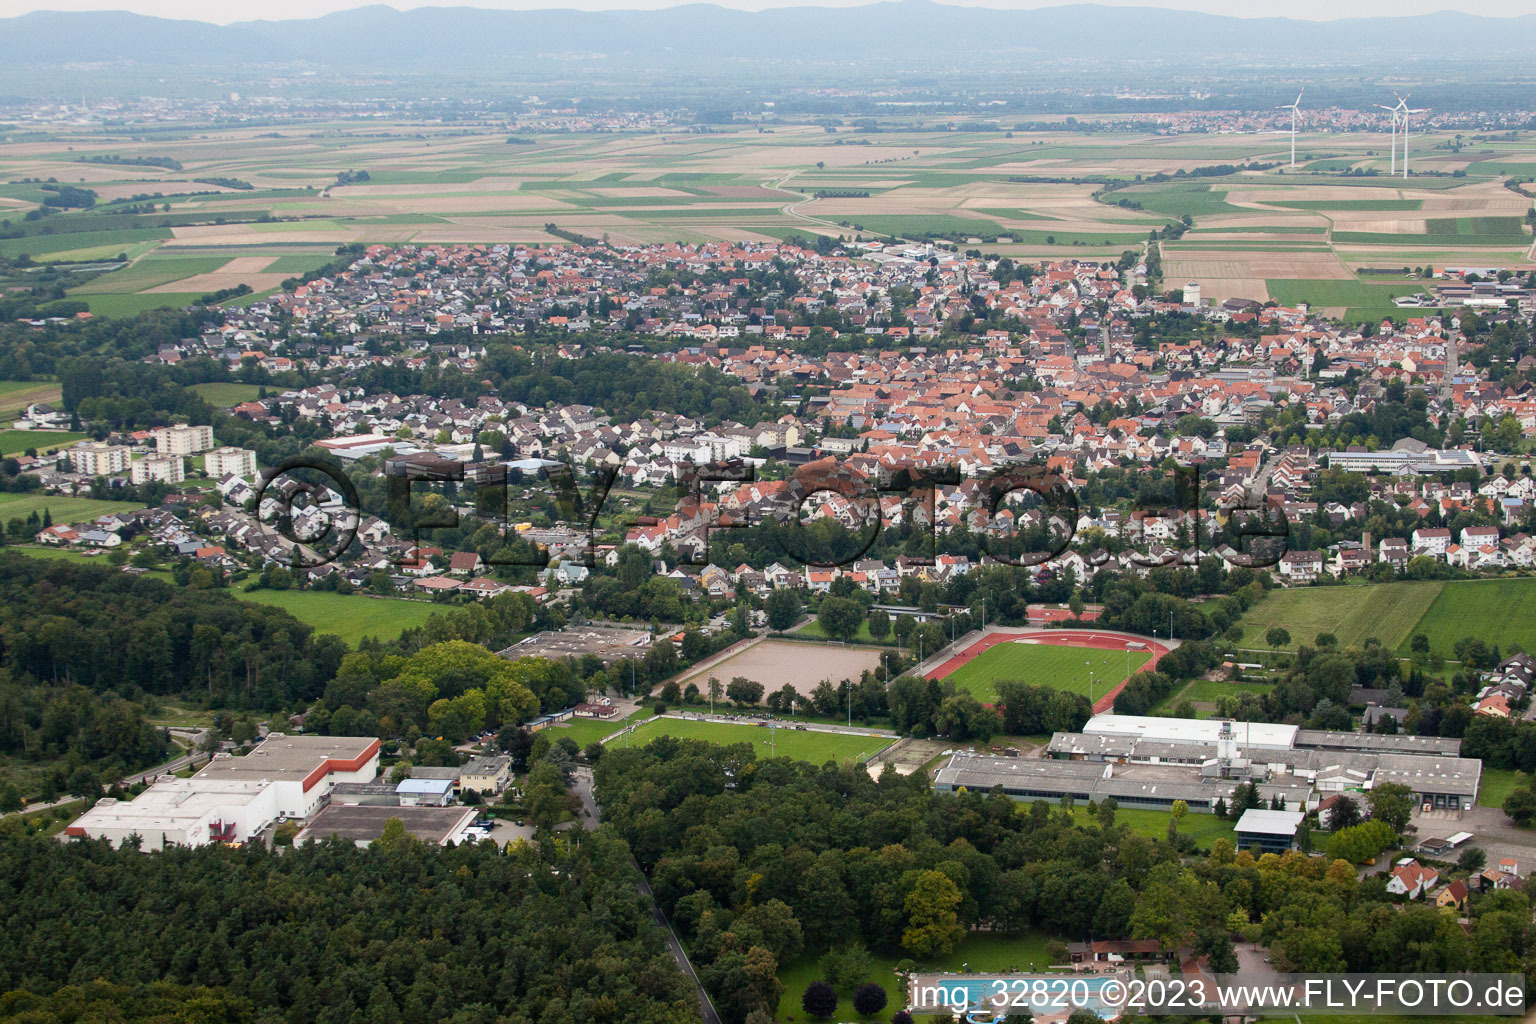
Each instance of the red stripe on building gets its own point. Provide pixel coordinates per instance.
(338, 765)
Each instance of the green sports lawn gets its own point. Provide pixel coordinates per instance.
(1064, 668)
(816, 747)
(1496, 611)
(349, 616)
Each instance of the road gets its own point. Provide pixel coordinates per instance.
(592, 815)
(793, 209)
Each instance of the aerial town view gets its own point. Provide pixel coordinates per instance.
(836, 514)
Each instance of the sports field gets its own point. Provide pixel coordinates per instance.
(802, 745)
(777, 662)
(1387, 611)
(1063, 668)
(1495, 611)
(349, 616)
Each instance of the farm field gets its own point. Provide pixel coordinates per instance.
(1496, 611)
(349, 616)
(1387, 611)
(1063, 668)
(225, 395)
(431, 183)
(62, 509)
(16, 395)
(807, 745)
(775, 663)
(15, 442)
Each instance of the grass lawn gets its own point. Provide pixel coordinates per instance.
(1387, 611)
(591, 730)
(349, 616)
(1203, 828)
(983, 951)
(1064, 668)
(61, 554)
(1495, 611)
(816, 747)
(813, 628)
(1208, 691)
(225, 395)
(63, 510)
(16, 442)
(1496, 785)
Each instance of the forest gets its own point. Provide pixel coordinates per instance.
(762, 862)
(399, 933)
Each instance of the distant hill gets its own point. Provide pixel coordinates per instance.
(460, 37)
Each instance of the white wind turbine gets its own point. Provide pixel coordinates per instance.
(1295, 109)
(1394, 112)
(1406, 112)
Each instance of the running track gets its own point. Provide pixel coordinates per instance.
(1103, 640)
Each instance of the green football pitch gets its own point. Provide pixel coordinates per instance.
(802, 745)
(1063, 668)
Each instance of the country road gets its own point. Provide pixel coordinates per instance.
(592, 816)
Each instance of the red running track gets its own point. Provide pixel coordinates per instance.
(1104, 640)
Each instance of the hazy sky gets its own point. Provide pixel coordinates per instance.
(224, 11)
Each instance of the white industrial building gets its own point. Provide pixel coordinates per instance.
(182, 812)
(234, 798)
(1249, 735)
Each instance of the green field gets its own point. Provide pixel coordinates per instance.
(349, 616)
(63, 510)
(15, 442)
(808, 745)
(112, 304)
(225, 395)
(1203, 828)
(150, 272)
(1064, 668)
(813, 628)
(591, 730)
(1496, 611)
(1387, 611)
(1497, 783)
(1288, 292)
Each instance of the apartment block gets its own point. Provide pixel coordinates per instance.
(223, 462)
(183, 440)
(97, 458)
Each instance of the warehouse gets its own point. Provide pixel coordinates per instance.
(302, 768)
(233, 798)
(1153, 787)
(182, 812)
(440, 826)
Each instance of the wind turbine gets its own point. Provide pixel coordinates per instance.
(1406, 112)
(1393, 111)
(1295, 109)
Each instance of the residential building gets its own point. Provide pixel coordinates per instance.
(228, 461)
(169, 469)
(183, 439)
(97, 458)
